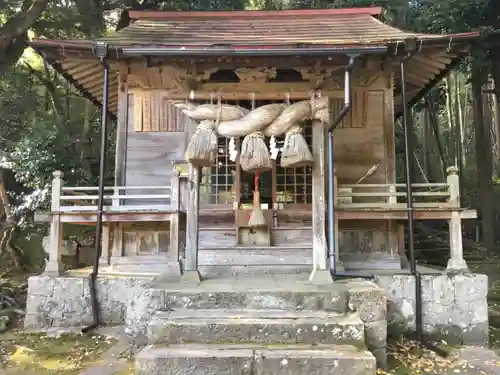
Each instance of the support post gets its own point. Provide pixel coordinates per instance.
(456, 263)
(173, 268)
(339, 267)
(117, 244)
(321, 272)
(105, 245)
(191, 273)
(54, 266)
(453, 181)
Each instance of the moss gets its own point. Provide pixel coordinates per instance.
(26, 354)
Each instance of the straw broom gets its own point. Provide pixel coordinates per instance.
(295, 152)
(257, 219)
(203, 145)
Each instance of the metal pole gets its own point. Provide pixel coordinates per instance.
(330, 163)
(408, 146)
(101, 52)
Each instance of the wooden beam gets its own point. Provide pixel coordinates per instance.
(271, 91)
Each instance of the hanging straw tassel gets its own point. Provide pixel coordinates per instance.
(257, 219)
(295, 152)
(254, 156)
(203, 145)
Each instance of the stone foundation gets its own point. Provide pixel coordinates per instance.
(455, 307)
(65, 301)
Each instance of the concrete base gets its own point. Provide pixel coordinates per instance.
(457, 265)
(224, 359)
(320, 277)
(191, 277)
(54, 269)
(455, 306)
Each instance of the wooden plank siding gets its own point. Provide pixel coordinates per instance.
(149, 154)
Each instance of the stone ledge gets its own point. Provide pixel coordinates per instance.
(227, 359)
(262, 326)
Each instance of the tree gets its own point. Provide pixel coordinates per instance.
(14, 32)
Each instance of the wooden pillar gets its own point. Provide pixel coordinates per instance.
(54, 266)
(116, 245)
(105, 244)
(121, 126)
(456, 261)
(320, 273)
(191, 273)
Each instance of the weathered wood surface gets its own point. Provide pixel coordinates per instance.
(145, 240)
(192, 232)
(214, 237)
(319, 241)
(295, 236)
(361, 143)
(122, 128)
(149, 155)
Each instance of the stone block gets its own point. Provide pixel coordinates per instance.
(194, 360)
(255, 326)
(65, 301)
(329, 300)
(321, 361)
(42, 286)
(140, 309)
(230, 359)
(454, 306)
(369, 300)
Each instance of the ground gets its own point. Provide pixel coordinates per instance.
(26, 354)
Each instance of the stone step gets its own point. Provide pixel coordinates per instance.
(255, 326)
(265, 292)
(221, 270)
(231, 359)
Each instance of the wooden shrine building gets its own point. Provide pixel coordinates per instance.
(166, 216)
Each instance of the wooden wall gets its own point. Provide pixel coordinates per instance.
(366, 138)
(151, 149)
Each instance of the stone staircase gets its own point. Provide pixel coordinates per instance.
(266, 325)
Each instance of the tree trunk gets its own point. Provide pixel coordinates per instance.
(458, 134)
(435, 127)
(484, 163)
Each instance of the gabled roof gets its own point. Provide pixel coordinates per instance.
(299, 28)
(252, 30)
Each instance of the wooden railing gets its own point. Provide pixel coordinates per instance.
(116, 198)
(394, 196)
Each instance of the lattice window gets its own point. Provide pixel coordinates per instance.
(294, 185)
(217, 185)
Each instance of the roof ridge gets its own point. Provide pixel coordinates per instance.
(135, 15)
